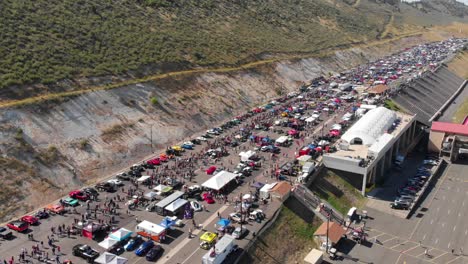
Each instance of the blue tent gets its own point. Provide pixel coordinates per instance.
(223, 222)
(167, 223)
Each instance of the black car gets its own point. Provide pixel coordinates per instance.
(106, 186)
(41, 214)
(90, 191)
(400, 205)
(123, 176)
(154, 253)
(85, 252)
(196, 141)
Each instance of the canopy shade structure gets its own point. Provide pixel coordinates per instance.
(143, 178)
(121, 234)
(176, 205)
(370, 127)
(219, 180)
(105, 258)
(223, 222)
(107, 243)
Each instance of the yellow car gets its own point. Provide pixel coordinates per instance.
(177, 148)
(208, 239)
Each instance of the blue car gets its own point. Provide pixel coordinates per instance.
(144, 248)
(133, 243)
(186, 146)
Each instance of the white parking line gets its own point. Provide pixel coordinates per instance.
(436, 241)
(443, 224)
(424, 237)
(466, 232)
(455, 227)
(432, 221)
(448, 211)
(448, 246)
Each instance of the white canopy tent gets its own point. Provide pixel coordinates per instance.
(121, 234)
(105, 258)
(119, 260)
(176, 205)
(108, 243)
(219, 180)
(143, 178)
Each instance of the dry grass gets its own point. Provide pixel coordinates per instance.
(288, 240)
(461, 113)
(116, 131)
(459, 65)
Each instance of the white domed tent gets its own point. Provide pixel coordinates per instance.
(370, 127)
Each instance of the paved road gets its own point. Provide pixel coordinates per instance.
(438, 226)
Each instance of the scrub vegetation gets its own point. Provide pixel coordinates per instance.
(340, 193)
(44, 41)
(288, 240)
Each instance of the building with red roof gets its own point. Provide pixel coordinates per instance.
(449, 139)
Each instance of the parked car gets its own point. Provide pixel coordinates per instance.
(55, 208)
(154, 253)
(80, 195)
(123, 176)
(106, 186)
(41, 214)
(402, 205)
(85, 252)
(196, 206)
(236, 217)
(116, 182)
(70, 201)
(208, 198)
(19, 226)
(144, 248)
(91, 191)
(239, 232)
(32, 220)
(133, 243)
(211, 170)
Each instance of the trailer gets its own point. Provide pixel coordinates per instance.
(220, 251)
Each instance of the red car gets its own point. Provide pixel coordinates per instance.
(211, 170)
(30, 219)
(155, 161)
(208, 198)
(19, 226)
(163, 158)
(79, 195)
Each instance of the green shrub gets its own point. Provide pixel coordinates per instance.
(154, 100)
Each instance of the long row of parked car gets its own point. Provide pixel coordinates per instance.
(407, 194)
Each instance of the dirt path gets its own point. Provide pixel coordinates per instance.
(52, 96)
(356, 3)
(387, 27)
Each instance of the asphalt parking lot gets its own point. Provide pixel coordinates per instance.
(178, 247)
(436, 228)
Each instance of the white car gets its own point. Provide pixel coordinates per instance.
(201, 138)
(430, 162)
(196, 206)
(116, 182)
(236, 217)
(238, 232)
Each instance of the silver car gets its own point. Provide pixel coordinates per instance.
(238, 233)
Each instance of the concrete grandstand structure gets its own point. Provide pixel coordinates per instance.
(372, 144)
(426, 95)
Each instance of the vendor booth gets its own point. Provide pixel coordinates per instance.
(144, 178)
(219, 180)
(93, 230)
(176, 207)
(109, 258)
(163, 190)
(108, 243)
(121, 234)
(151, 196)
(151, 230)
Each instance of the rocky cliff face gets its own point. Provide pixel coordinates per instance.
(50, 149)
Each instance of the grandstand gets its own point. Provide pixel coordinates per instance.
(426, 95)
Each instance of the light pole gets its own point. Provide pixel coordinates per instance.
(328, 225)
(151, 137)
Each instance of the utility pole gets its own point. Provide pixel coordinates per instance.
(151, 138)
(242, 216)
(328, 225)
